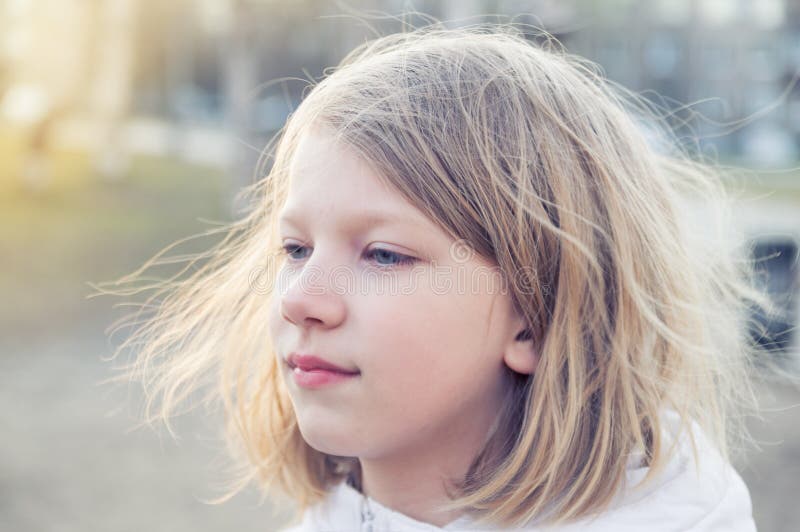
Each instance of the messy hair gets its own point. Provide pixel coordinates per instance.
(542, 166)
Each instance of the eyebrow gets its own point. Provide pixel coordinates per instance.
(370, 218)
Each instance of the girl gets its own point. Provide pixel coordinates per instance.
(488, 308)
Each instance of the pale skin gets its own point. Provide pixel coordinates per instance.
(433, 362)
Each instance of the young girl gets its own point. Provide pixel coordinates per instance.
(488, 310)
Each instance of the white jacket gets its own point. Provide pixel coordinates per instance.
(704, 495)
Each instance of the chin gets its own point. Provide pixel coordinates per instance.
(329, 437)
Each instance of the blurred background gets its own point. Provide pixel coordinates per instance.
(128, 124)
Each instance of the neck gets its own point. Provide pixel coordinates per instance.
(414, 482)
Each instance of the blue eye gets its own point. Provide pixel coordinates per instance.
(291, 249)
(382, 257)
(394, 259)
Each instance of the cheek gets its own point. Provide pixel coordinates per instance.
(276, 325)
(426, 342)
(427, 364)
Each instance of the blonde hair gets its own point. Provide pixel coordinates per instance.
(538, 163)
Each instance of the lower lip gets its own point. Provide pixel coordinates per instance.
(317, 378)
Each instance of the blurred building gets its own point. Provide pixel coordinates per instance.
(734, 62)
(179, 72)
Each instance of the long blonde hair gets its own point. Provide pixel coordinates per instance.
(541, 165)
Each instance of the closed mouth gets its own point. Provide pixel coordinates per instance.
(315, 363)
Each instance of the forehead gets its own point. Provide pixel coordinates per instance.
(328, 179)
(319, 160)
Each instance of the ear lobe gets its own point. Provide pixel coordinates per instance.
(521, 354)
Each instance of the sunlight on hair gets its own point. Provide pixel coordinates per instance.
(540, 165)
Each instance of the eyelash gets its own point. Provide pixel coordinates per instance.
(401, 260)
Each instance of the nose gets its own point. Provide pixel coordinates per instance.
(310, 300)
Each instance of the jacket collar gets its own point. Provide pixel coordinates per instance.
(698, 492)
(365, 512)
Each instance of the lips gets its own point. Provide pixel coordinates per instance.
(307, 362)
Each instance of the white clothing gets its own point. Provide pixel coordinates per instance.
(701, 496)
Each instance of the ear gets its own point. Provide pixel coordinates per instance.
(521, 355)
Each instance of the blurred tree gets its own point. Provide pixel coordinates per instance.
(240, 80)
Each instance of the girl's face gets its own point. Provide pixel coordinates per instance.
(373, 286)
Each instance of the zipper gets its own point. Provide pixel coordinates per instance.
(367, 517)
